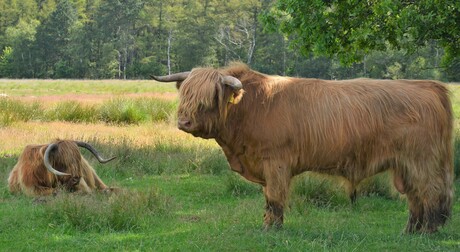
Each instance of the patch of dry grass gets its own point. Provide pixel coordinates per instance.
(16, 136)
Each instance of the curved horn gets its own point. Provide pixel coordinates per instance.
(47, 160)
(170, 78)
(95, 153)
(232, 82)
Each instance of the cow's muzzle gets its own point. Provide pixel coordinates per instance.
(184, 125)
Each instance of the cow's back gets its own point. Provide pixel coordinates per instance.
(326, 125)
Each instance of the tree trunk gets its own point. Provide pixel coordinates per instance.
(169, 51)
(252, 46)
(119, 64)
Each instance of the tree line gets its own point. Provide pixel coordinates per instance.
(132, 39)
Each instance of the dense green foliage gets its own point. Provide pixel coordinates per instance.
(135, 38)
(353, 29)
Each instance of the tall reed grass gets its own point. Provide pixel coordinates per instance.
(71, 111)
(13, 111)
(115, 111)
(134, 111)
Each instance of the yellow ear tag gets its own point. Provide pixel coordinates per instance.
(232, 99)
(235, 98)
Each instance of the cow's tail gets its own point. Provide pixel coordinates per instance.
(442, 211)
(446, 160)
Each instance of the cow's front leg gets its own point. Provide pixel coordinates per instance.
(274, 214)
(276, 191)
(42, 191)
(72, 183)
(83, 187)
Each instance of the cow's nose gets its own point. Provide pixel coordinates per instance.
(184, 124)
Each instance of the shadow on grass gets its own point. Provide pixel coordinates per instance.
(159, 159)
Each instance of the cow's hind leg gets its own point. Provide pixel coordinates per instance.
(351, 190)
(353, 196)
(429, 195)
(13, 182)
(424, 216)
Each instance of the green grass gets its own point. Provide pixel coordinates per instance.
(128, 210)
(201, 214)
(38, 87)
(185, 206)
(178, 192)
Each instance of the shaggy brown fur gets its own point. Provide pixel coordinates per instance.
(353, 128)
(31, 177)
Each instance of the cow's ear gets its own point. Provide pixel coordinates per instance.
(236, 97)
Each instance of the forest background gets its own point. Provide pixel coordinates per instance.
(132, 39)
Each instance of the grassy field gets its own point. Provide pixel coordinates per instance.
(36, 87)
(178, 193)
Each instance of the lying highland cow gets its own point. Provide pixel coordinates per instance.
(272, 128)
(43, 169)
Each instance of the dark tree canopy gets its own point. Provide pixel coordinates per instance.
(351, 29)
(95, 39)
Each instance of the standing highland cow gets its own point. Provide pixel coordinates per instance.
(43, 169)
(272, 128)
